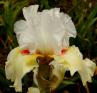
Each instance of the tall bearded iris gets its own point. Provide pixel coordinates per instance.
(44, 34)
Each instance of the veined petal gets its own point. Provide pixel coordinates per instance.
(18, 65)
(73, 60)
(46, 31)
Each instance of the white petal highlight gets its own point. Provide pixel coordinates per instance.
(46, 31)
(17, 66)
(30, 12)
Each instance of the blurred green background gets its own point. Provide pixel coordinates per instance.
(82, 12)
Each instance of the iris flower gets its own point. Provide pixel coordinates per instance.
(43, 34)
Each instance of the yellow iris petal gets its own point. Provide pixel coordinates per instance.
(73, 60)
(18, 65)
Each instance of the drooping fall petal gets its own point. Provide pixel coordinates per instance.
(18, 65)
(73, 60)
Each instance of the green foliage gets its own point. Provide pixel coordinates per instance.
(3, 81)
(64, 84)
(10, 11)
(85, 19)
(44, 4)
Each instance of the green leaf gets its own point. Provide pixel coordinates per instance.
(64, 84)
(3, 81)
(44, 4)
(88, 26)
(90, 20)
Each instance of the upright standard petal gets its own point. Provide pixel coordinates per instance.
(46, 31)
(18, 65)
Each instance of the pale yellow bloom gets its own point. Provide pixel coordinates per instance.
(73, 61)
(47, 32)
(18, 65)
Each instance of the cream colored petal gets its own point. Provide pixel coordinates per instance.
(25, 37)
(69, 25)
(35, 75)
(25, 29)
(12, 55)
(30, 12)
(57, 75)
(17, 66)
(47, 31)
(33, 90)
(73, 60)
(88, 71)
